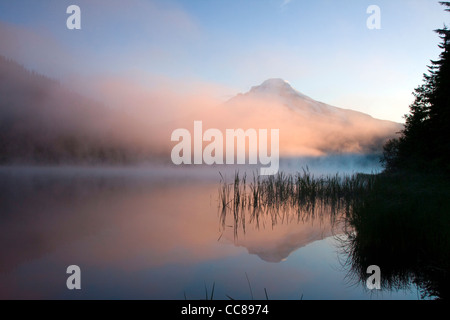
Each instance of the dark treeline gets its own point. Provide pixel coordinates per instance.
(424, 144)
(403, 223)
(41, 121)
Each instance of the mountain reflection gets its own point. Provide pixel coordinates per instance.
(273, 235)
(119, 225)
(407, 238)
(275, 216)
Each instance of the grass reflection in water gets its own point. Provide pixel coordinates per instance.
(399, 222)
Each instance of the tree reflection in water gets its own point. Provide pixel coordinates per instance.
(400, 224)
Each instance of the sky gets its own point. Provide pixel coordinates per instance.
(323, 47)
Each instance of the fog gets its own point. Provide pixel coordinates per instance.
(122, 120)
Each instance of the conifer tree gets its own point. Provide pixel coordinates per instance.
(425, 141)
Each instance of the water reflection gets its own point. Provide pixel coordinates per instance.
(407, 238)
(151, 234)
(272, 217)
(50, 219)
(274, 233)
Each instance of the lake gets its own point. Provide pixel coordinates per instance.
(157, 232)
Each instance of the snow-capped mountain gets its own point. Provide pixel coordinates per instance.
(276, 86)
(308, 126)
(281, 90)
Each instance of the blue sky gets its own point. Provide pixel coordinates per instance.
(322, 47)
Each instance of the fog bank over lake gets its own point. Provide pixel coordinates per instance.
(328, 165)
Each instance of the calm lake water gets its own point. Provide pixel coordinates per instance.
(158, 233)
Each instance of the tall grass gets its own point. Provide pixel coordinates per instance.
(284, 197)
(400, 222)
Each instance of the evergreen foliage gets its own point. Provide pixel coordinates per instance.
(424, 143)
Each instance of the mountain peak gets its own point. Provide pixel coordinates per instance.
(276, 86)
(276, 82)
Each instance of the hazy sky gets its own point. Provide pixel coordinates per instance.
(322, 47)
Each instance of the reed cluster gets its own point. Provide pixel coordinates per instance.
(283, 196)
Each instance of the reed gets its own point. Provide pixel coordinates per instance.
(299, 191)
(399, 222)
(284, 197)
